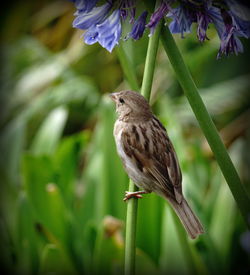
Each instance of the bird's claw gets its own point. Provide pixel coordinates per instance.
(129, 195)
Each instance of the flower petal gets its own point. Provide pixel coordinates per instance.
(230, 43)
(85, 5)
(182, 20)
(107, 33)
(85, 20)
(139, 26)
(155, 18)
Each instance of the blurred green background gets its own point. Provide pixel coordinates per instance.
(62, 183)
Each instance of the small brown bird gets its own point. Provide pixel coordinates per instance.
(148, 156)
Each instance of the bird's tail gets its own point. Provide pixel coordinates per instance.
(190, 221)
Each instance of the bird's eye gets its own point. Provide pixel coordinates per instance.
(121, 100)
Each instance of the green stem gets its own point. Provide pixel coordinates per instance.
(127, 67)
(132, 203)
(184, 77)
(150, 63)
(129, 264)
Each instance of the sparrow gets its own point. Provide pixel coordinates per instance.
(148, 156)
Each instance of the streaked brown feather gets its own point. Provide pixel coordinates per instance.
(162, 167)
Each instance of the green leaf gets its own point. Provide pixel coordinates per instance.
(53, 261)
(11, 145)
(44, 195)
(150, 212)
(49, 134)
(224, 212)
(109, 245)
(28, 239)
(172, 258)
(66, 161)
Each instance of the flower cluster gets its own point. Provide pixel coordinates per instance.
(103, 23)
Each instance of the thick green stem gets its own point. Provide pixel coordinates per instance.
(184, 77)
(132, 203)
(150, 63)
(130, 238)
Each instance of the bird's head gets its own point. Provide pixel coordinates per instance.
(131, 105)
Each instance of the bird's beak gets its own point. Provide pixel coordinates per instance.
(113, 96)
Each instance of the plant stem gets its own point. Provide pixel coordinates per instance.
(127, 67)
(184, 77)
(132, 203)
(130, 247)
(150, 63)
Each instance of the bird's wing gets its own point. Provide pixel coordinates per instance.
(158, 161)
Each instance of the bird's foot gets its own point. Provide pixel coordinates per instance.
(137, 194)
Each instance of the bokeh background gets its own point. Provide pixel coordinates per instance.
(62, 183)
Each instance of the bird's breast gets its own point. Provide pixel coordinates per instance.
(118, 130)
(128, 162)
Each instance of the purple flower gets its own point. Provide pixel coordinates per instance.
(107, 33)
(84, 5)
(85, 20)
(183, 17)
(103, 23)
(127, 8)
(240, 14)
(242, 25)
(230, 43)
(202, 21)
(204, 17)
(157, 16)
(218, 22)
(139, 26)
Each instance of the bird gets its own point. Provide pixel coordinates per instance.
(148, 156)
